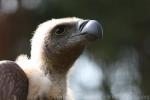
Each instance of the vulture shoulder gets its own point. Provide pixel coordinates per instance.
(13, 82)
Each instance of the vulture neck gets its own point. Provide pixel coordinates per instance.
(57, 74)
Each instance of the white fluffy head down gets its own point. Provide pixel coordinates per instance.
(42, 33)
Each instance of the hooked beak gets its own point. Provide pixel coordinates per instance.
(91, 29)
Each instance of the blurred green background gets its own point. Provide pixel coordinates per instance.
(126, 24)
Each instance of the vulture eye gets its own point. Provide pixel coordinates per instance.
(60, 30)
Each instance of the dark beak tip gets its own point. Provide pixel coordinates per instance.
(93, 29)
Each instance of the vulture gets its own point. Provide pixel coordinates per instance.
(55, 46)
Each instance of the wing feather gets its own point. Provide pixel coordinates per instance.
(13, 82)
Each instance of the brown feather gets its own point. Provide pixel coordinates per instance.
(13, 82)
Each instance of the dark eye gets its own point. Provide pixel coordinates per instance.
(60, 30)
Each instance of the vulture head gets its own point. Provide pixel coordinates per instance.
(61, 41)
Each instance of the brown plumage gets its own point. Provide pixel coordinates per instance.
(56, 45)
(13, 82)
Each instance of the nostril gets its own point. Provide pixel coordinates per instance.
(82, 24)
